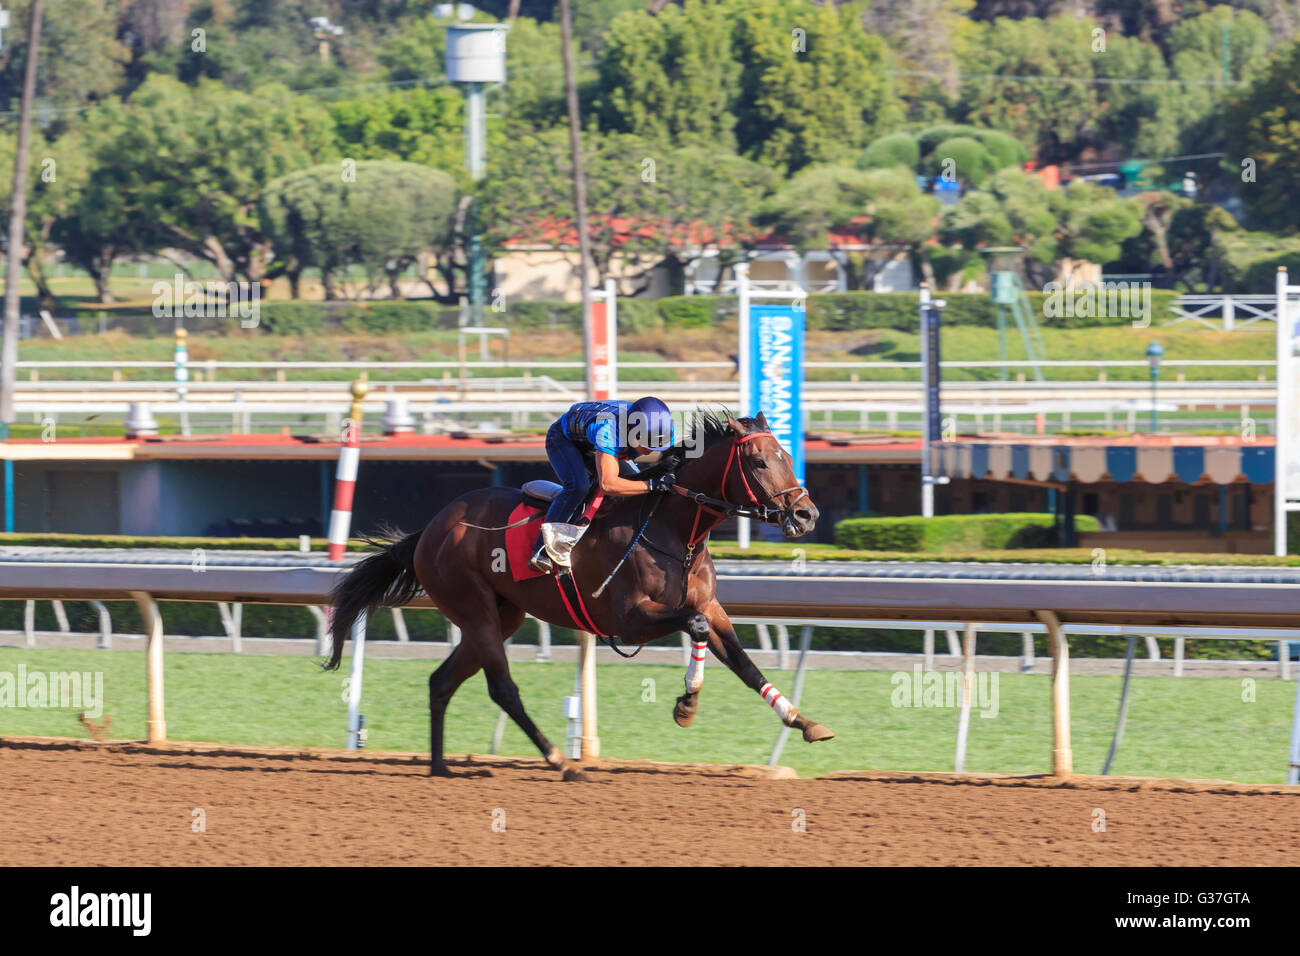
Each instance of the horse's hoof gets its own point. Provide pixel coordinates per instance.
(570, 774)
(815, 732)
(685, 716)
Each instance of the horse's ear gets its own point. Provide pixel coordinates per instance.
(762, 422)
(736, 427)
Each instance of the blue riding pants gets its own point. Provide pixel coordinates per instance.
(571, 464)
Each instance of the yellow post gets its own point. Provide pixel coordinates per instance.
(360, 388)
(1062, 755)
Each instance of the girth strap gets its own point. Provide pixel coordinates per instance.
(571, 595)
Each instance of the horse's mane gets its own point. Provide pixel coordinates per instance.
(706, 427)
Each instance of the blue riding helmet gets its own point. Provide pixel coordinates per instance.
(651, 424)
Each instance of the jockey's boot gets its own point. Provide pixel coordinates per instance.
(541, 560)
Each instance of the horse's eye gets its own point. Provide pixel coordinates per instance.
(759, 463)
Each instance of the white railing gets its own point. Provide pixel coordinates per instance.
(1219, 312)
(528, 364)
(785, 598)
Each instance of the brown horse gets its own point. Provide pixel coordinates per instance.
(667, 584)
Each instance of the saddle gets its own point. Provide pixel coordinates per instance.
(541, 490)
(526, 519)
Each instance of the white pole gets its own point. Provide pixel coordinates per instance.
(587, 669)
(611, 336)
(1062, 754)
(354, 681)
(156, 723)
(1294, 776)
(805, 641)
(967, 688)
(742, 366)
(927, 486)
(1282, 447)
(475, 129)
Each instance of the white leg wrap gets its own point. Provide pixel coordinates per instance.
(778, 702)
(695, 670)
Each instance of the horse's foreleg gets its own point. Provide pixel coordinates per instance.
(724, 643)
(649, 620)
(686, 706)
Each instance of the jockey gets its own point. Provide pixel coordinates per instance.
(599, 438)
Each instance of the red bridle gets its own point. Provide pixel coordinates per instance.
(730, 508)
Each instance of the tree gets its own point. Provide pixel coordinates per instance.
(646, 203)
(96, 226)
(73, 69)
(416, 51)
(190, 164)
(1082, 221)
(1053, 113)
(1092, 222)
(534, 90)
(783, 82)
(894, 149)
(425, 126)
(671, 78)
(382, 220)
(819, 97)
(1262, 125)
(882, 206)
(966, 152)
(923, 36)
(58, 172)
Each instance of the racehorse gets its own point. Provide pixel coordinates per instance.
(665, 583)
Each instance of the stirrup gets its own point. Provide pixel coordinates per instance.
(541, 561)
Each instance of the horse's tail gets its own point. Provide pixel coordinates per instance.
(384, 579)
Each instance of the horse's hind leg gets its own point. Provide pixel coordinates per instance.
(504, 693)
(459, 666)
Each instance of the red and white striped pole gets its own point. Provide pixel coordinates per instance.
(345, 478)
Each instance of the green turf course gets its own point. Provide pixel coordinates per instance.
(1185, 727)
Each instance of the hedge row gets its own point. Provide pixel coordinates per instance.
(948, 533)
(306, 318)
(842, 311)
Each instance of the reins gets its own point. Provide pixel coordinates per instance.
(721, 509)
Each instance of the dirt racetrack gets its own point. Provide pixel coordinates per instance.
(85, 803)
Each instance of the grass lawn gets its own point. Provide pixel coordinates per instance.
(1184, 727)
(875, 349)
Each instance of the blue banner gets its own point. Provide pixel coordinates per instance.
(933, 423)
(776, 374)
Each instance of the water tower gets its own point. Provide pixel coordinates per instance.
(476, 56)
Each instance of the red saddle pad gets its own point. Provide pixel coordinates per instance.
(519, 540)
